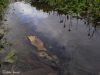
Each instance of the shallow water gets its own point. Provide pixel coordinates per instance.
(76, 45)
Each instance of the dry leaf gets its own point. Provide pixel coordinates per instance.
(42, 51)
(37, 43)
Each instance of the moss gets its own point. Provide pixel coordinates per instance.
(10, 57)
(3, 5)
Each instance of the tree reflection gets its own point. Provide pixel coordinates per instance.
(87, 10)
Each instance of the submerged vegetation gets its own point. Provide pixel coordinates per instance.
(3, 5)
(7, 57)
(80, 8)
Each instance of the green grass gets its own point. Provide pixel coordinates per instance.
(83, 8)
(3, 5)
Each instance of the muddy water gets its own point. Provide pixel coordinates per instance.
(75, 43)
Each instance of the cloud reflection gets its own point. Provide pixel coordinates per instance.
(27, 12)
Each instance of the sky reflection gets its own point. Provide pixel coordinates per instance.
(25, 12)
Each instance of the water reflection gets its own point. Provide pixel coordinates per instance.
(25, 12)
(88, 19)
(28, 14)
(69, 31)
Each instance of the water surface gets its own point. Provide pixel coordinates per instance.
(76, 44)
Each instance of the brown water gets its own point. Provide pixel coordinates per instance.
(76, 44)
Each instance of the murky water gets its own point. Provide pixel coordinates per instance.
(75, 43)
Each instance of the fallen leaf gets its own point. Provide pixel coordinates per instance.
(37, 43)
(42, 51)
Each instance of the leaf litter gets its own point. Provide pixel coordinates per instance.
(42, 50)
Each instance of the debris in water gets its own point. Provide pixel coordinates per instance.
(61, 21)
(42, 51)
(64, 25)
(37, 43)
